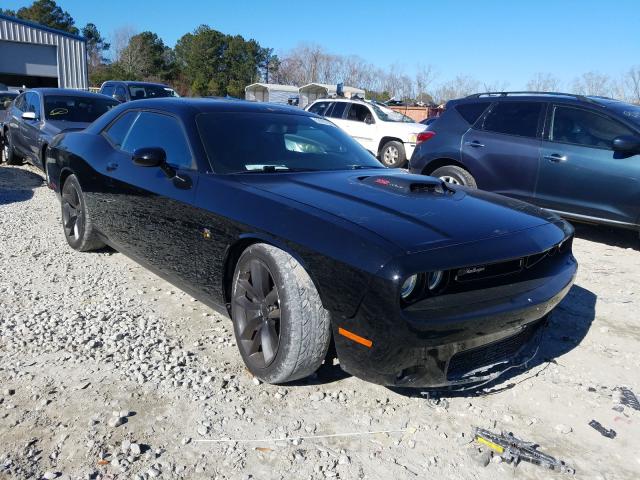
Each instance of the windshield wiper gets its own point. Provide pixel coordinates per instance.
(276, 169)
(362, 167)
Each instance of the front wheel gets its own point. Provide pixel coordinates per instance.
(455, 175)
(8, 152)
(393, 154)
(280, 325)
(76, 220)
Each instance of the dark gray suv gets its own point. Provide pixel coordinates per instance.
(578, 156)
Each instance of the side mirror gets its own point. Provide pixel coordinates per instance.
(153, 157)
(119, 98)
(7, 104)
(627, 144)
(368, 120)
(150, 157)
(29, 116)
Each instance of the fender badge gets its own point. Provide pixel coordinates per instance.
(206, 233)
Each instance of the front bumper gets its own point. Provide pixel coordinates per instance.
(457, 339)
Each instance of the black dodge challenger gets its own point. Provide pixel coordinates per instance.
(277, 218)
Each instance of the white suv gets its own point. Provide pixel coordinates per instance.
(389, 135)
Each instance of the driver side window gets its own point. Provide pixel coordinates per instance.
(359, 113)
(582, 127)
(163, 131)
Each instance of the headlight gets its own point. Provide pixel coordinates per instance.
(434, 280)
(408, 286)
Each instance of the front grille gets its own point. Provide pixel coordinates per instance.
(502, 350)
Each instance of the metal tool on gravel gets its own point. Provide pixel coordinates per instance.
(514, 450)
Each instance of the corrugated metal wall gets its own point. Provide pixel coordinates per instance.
(72, 50)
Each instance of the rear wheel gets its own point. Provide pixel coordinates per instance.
(76, 220)
(393, 155)
(455, 175)
(281, 327)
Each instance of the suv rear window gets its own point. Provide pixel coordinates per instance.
(472, 111)
(514, 118)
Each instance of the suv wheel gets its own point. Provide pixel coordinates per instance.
(280, 325)
(455, 175)
(392, 154)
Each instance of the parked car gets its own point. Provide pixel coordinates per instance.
(277, 218)
(577, 156)
(389, 135)
(6, 97)
(38, 115)
(128, 91)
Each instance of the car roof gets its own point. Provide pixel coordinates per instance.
(206, 105)
(67, 92)
(533, 96)
(133, 82)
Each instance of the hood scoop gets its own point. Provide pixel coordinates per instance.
(409, 185)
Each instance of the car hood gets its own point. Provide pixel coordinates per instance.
(53, 127)
(412, 211)
(403, 130)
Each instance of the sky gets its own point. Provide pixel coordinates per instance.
(490, 40)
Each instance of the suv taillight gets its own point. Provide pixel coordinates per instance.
(424, 136)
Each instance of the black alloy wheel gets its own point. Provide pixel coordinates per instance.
(72, 212)
(258, 314)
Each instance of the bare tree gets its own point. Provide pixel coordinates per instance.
(543, 82)
(631, 85)
(460, 86)
(425, 75)
(593, 83)
(495, 86)
(120, 40)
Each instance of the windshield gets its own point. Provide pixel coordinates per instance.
(632, 112)
(5, 99)
(268, 142)
(76, 109)
(139, 91)
(387, 115)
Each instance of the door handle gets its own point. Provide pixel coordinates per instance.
(111, 166)
(475, 144)
(556, 158)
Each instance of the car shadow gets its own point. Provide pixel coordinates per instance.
(17, 184)
(615, 237)
(568, 324)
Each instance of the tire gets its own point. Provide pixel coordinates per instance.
(8, 152)
(281, 328)
(393, 155)
(455, 175)
(76, 218)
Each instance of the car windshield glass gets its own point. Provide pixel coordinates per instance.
(387, 115)
(239, 142)
(632, 112)
(6, 99)
(76, 109)
(139, 91)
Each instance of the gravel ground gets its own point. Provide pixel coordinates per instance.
(107, 371)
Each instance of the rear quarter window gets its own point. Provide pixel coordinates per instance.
(472, 111)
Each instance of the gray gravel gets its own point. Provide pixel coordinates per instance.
(106, 371)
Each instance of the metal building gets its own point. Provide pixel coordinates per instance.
(270, 92)
(37, 56)
(313, 91)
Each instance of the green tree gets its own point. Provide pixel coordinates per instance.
(48, 13)
(96, 45)
(218, 64)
